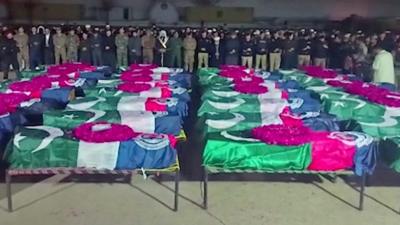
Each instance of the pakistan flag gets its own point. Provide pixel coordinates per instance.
(237, 104)
(143, 122)
(237, 150)
(303, 79)
(239, 121)
(51, 147)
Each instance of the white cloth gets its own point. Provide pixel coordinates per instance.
(151, 93)
(98, 155)
(384, 68)
(141, 122)
(132, 103)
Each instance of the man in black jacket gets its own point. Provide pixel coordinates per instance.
(97, 49)
(304, 51)
(275, 52)
(247, 51)
(135, 48)
(8, 54)
(48, 47)
(109, 57)
(232, 47)
(36, 42)
(216, 51)
(320, 52)
(203, 49)
(261, 49)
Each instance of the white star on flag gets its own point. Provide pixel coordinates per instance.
(69, 116)
(337, 103)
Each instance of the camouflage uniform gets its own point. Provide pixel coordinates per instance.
(23, 54)
(189, 44)
(121, 42)
(72, 47)
(60, 42)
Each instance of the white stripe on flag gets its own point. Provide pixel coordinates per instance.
(132, 103)
(98, 155)
(151, 93)
(142, 122)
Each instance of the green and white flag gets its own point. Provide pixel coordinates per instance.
(237, 121)
(47, 147)
(220, 104)
(139, 121)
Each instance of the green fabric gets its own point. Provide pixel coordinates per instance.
(73, 118)
(33, 148)
(4, 85)
(32, 73)
(106, 92)
(229, 105)
(303, 79)
(99, 103)
(217, 122)
(223, 152)
(390, 152)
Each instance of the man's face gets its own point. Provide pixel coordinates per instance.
(34, 30)
(9, 35)
(134, 34)
(248, 37)
(108, 33)
(72, 32)
(47, 31)
(262, 35)
(20, 30)
(84, 36)
(204, 34)
(121, 31)
(58, 31)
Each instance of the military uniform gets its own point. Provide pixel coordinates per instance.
(189, 45)
(261, 53)
(23, 54)
(85, 54)
(60, 42)
(72, 47)
(121, 42)
(275, 54)
(247, 53)
(148, 44)
(96, 44)
(175, 46)
(304, 52)
(135, 49)
(36, 42)
(203, 45)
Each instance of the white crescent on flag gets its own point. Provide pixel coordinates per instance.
(225, 123)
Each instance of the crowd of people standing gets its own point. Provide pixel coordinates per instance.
(193, 48)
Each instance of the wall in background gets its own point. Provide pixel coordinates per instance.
(263, 9)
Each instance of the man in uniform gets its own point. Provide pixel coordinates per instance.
(22, 43)
(320, 52)
(304, 51)
(60, 41)
(8, 54)
(232, 46)
(148, 44)
(72, 46)
(261, 52)
(275, 52)
(247, 51)
(96, 43)
(203, 46)
(134, 48)
(189, 45)
(36, 42)
(175, 48)
(121, 42)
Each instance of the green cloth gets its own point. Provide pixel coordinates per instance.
(222, 151)
(390, 152)
(74, 118)
(32, 73)
(43, 147)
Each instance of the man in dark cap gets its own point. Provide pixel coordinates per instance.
(247, 51)
(320, 52)
(275, 52)
(261, 49)
(109, 57)
(8, 54)
(232, 48)
(304, 50)
(203, 49)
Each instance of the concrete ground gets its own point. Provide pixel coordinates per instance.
(139, 201)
